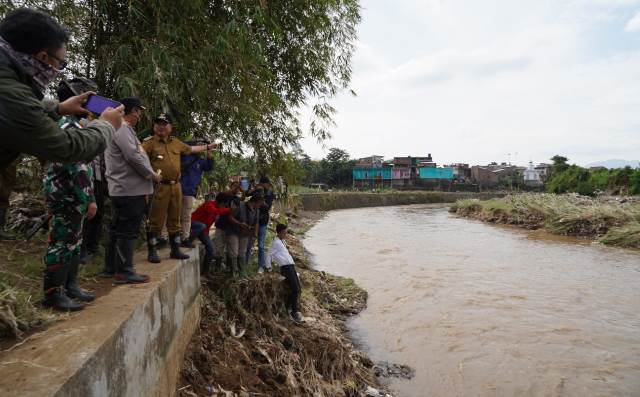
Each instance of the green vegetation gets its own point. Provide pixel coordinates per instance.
(21, 288)
(609, 221)
(567, 178)
(232, 71)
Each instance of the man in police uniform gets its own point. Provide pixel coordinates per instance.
(164, 152)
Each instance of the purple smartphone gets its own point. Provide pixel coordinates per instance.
(97, 104)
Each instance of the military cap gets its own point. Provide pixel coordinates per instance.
(162, 118)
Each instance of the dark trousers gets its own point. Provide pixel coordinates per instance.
(8, 176)
(92, 228)
(128, 213)
(200, 230)
(289, 272)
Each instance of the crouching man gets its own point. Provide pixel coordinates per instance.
(281, 255)
(201, 221)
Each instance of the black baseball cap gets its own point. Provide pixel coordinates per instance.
(130, 103)
(265, 179)
(162, 117)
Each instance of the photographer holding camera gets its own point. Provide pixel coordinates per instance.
(32, 53)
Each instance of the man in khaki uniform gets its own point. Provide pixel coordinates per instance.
(164, 152)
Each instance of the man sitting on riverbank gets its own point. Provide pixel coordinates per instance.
(279, 252)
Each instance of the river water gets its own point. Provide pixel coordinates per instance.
(481, 310)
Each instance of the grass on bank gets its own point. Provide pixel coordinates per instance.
(610, 221)
(21, 269)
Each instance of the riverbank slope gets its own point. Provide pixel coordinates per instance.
(246, 342)
(608, 220)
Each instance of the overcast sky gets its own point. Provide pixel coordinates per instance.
(473, 80)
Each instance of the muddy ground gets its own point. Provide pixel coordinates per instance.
(248, 346)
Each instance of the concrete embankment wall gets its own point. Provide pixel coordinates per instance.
(129, 342)
(341, 200)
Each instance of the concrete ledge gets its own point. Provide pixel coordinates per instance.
(128, 343)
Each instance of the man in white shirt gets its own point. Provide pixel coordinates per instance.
(279, 252)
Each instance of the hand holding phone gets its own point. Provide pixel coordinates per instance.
(74, 106)
(97, 104)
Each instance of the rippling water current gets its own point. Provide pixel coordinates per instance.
(480, 310)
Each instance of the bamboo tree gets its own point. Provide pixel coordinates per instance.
(232, 70)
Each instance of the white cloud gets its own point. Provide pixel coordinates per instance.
(634, 23)
(472, 81)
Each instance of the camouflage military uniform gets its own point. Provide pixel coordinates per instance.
(68, 191)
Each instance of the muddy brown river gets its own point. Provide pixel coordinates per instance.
(481, 310)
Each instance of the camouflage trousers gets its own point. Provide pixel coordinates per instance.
(65, 239)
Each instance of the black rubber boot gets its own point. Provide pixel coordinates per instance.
(125, 273)
(55, 297)
(110, 257)
(188, 243)
(231, 266)
(73, 289)
(162, 242)
(175, 248)
(4, 235)
(205, 269)
(217, 264)
(152, 247)
(242, 267)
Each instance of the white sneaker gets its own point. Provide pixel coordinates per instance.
(260, 270)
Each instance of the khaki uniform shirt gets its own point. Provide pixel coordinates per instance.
(165, 155)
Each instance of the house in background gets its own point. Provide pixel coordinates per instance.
(493, 174)
(461, 172)
(532, 176)
(370, 162)
(434, 173)
(545, 171)
(405, 169)
(372, 172)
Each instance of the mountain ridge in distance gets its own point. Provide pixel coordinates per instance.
(615, 163)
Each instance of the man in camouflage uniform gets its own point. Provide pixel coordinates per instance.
(69, 197)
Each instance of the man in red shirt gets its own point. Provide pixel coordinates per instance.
(201, 221)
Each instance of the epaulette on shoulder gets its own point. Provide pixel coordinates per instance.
(147, 138)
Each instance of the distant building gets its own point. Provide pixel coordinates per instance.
(405, 169)
(370, 162)
(493, 174)
(436, 173)
(461, 172)
(532, 176)
(545, 171)
(372, 176)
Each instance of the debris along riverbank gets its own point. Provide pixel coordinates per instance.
(248, 346)
(609, 220)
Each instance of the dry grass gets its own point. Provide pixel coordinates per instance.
(247, 341)
(560, 214)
